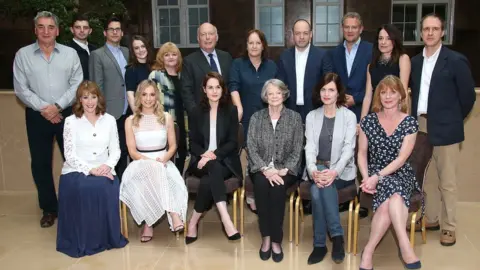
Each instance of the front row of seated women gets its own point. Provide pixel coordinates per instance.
(89, 190)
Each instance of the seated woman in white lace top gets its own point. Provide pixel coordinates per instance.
(152, 184)
(88, 217)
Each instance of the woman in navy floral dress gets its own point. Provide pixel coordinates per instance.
(389, 136)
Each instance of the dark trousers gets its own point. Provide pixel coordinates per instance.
(270, 203)
(123, 161)
(181, 146)
(212, 184)
(40, 133)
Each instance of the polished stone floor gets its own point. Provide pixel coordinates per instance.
(26, 246)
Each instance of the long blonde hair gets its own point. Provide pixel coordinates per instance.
(394, 83)
(158, 109)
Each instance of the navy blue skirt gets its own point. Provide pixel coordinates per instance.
(88, 215)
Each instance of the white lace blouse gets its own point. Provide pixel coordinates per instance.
(87, 146)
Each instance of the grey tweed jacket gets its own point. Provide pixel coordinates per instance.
(284, 144)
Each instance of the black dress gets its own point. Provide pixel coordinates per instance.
(382, 150)
(380, 70)
(134, 75)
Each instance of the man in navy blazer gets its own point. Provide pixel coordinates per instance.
(301, 68)
(443, 94)
(350, 60)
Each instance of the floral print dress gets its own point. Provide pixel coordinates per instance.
(382, 150)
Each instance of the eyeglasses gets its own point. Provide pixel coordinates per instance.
(113, 30)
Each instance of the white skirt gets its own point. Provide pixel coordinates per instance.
(149, 188)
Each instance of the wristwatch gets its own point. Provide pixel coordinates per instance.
(59, 108)
(380, 177)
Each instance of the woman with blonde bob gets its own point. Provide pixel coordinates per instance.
(88, 216)
(166, 73)
(151, 184)
(387, 138)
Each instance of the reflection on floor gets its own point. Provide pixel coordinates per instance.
(24, 245)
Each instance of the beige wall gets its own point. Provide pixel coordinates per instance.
(15, 174)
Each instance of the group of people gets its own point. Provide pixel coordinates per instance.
(302, 117)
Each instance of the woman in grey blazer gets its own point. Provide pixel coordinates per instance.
(274, 145)
(330, 162)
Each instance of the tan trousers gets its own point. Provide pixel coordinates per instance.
(441, 183)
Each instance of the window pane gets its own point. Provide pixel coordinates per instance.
(321, 33)
(411, 13)
(193, 16)
(277, 34)
(173, 2)
(277, 15)
(427, 8)
(262, 2)
(164, 34)
(410, 32)
(174, 16)
(320, 14)
(192, 2)
(203, 15)
(175, 35)
(320, 1)
(441, 10)
(268, 33)
(163, 18)
(276, 1)
(400, 27)
(162, 2)
(333, 14)
(202, 2)
(334, 33)
(192, 34)
(333, 1)
(397, 15)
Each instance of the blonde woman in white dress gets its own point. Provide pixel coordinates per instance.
(152, 184)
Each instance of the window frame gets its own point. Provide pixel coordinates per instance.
(184, 26)
(257, 20)
(341, 7)
(449, 20)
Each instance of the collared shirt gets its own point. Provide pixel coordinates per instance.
(83, 45)
(427, 71)
(215, 58)
(122, 63)
(300, 67)
(39, 82)
(88, 146)
(350, 56)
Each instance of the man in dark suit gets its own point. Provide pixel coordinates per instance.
(350, 61)
(197, 64)
(80, 29)
(301, 68)
(107, 69)
(443, 94)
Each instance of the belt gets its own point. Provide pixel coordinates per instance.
(151, 151)
(323, 162)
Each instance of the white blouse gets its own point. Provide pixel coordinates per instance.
(88, 146)
(212, 144)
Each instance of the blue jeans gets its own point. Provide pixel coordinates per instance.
(325, 211)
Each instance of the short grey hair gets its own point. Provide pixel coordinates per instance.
(279, 84)
(352, 15)
(46, 14)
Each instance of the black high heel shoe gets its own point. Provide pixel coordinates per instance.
(414, 265)
(189, 239)
(360, 268)
(234, 237)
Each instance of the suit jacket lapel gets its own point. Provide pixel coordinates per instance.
(341, 55)
(220, 124)
(293, 70)
(110, 55)
(206, 128)
(223, 65)
(308, 67)
(202, 62)
(358, 55)
(441, 61)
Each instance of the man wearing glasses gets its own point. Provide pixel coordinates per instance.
(81, 30)
(107, 69)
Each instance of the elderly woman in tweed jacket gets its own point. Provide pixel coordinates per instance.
(274, 146)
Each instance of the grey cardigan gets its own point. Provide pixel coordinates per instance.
(343, 144)
(284, 144)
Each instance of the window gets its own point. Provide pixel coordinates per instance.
(178, 20)
(270, 18)
(327, 18)
(407, 15)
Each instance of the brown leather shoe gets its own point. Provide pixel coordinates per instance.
(48, 220)
(428, 226)
(448, 238)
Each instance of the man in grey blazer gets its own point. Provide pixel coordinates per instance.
(107, 69)
(197, 64)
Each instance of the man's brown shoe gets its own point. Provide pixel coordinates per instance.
(48, 220)
(428, 226)
(447, 238)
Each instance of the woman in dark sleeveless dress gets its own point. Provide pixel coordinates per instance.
(389, 58)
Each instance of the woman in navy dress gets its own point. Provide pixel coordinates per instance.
(88, 195)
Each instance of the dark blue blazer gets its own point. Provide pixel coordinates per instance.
(450, 98)
(313, 74)
(356, 82)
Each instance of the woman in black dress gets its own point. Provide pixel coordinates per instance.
(388, 136)
(389, 58)
(138, 68)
